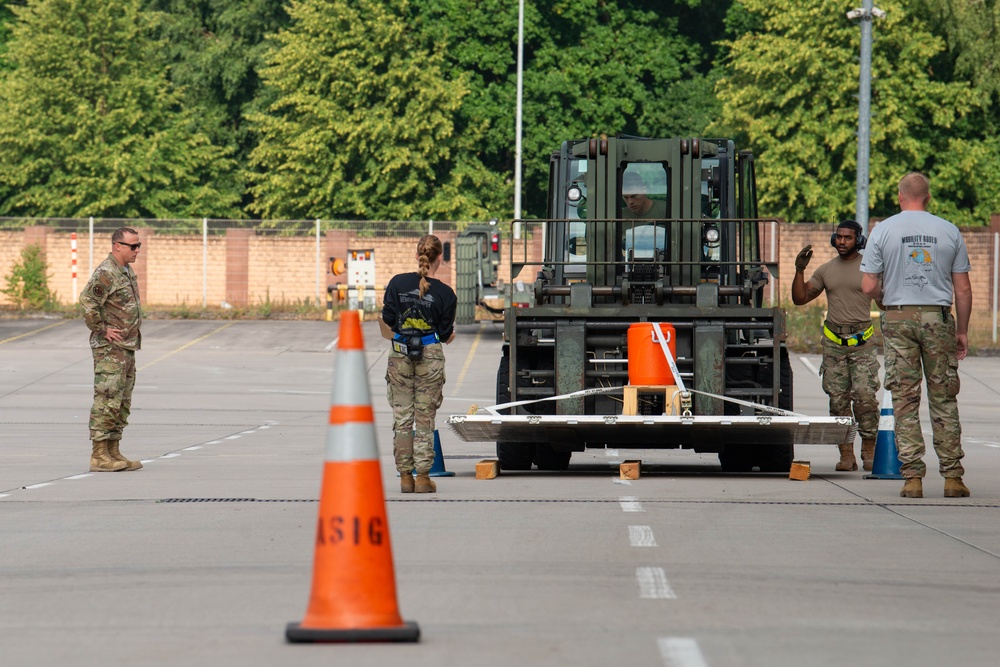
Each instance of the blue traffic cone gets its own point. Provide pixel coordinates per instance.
(886, 463)
(437, 468)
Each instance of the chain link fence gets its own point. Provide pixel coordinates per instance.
(218, 263)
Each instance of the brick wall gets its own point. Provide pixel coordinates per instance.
(979, 241)
(244, 268)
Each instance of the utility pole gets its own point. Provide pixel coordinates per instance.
(517, 122)
(865, 14)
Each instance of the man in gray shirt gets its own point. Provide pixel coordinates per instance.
(914, 263)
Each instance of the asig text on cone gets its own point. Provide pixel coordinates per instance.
(353, 596)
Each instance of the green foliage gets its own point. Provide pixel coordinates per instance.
(114, 138)
(28, 281)
(971, 33)
(405, 109)
(215, 49)
(590, 67)
(6, 18)
(361, 125)
(790, 91)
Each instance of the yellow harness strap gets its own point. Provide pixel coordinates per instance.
(852, 340)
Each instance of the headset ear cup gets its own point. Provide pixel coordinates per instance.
(862, 240)
(833, 239)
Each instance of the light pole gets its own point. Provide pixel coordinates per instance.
(517, 121)
(865, 14)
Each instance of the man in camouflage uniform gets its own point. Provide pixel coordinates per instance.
(923, 263)
(850, 362)
(112, 312)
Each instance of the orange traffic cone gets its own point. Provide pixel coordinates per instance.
(354, 587)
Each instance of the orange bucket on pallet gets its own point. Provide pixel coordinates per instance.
(646, 363)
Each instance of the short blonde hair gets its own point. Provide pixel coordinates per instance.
(914, 187)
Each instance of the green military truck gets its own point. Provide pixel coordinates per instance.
(478, 286)
(647, 240)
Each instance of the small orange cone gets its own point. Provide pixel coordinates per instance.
(354, 587)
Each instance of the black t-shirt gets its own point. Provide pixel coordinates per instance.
(406, 312)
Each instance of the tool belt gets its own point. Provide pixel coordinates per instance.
(852, 340)
(413, 346)
(910, 312)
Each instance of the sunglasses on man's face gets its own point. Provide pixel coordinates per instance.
(131, 246)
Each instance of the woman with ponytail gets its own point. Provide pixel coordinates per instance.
(418, 314)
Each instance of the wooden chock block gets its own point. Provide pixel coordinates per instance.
(630, 469)
(487, 469)
(799, 470)
(632, 392)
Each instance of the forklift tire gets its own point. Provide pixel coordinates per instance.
(778, 458)
(774, 458)
(511, 455)
(515, 455)
(546, 458)
(737, 458)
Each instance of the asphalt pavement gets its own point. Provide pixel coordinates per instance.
(204, 555)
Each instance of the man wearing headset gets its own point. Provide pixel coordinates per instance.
(850, 362)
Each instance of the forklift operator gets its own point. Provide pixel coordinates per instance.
(637, 204)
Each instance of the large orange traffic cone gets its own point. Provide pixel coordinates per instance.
(886, 464)
(354, 587)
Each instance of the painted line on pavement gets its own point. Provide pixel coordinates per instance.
(32, 333)
(808, 364)
(641, 536)
(680, 652)
(468, 360)
(630, 504)
(653, 584)
(169, 455)
(187, 345)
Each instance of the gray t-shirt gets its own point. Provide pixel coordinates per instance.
(916, 253)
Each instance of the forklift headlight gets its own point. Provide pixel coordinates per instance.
(711, 235)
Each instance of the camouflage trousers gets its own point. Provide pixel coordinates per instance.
(415, 393)
(918, 345)
(850, 379)
(114, 379)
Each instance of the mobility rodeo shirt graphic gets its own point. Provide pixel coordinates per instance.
(919, 259)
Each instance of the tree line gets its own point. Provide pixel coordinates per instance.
(405, 109)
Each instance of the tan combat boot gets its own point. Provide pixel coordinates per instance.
(955, 488)
(101, 461)
(406, 482)
(867, 453)
(117, 456)
(912, 488)
(847, 460)
(424, 484)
